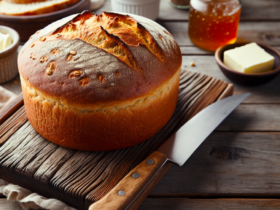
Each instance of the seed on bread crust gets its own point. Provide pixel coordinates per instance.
(75, 73)
(43, 39)
(69, 58)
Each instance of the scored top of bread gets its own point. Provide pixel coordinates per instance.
(100, 82)
(88, 60)
(36, 8)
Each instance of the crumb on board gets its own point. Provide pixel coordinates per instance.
(192, 64)
(15, 81)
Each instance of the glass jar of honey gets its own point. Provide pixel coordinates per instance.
(213, 23)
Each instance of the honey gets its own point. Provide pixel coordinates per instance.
(213, 23)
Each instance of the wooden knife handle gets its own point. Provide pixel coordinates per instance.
(127, 190)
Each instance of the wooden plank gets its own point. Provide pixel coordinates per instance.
(10, 108)
(187, 203)
(251, 10)
(79, 178)
(267, 93)
(265, 32)
(209, 204)
(227, 92)
(193, 50)
(253, 117)
(260, 10)
(227, 164)
(13, 124)
(13, 85)
(6, 205)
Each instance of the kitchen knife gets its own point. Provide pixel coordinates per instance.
(177, 149)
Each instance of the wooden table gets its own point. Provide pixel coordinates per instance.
(238, 166)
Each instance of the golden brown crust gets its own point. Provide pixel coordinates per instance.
(110, 79)
(88, 85)
(111, 32)
(101, 129)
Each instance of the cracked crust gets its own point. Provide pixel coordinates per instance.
(115, 74)
(98, 30)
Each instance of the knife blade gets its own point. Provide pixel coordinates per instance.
(177, 149)
(180, 146)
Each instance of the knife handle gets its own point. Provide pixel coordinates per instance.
(130, 187)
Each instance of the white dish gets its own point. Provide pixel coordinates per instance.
(8, 57)
(146, 8)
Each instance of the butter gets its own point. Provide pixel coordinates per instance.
(250, 58)
(5, 41)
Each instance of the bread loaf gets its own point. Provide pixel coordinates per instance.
(100, 82)
(35, 8)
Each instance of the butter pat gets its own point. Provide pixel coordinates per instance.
(5, 41)
(250, 58)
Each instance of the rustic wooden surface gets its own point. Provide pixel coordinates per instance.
(237, 166)
(210, 204)
(27, 159)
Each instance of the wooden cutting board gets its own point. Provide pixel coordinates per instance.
(81, 178)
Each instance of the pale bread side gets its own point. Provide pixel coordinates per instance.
(34, 8)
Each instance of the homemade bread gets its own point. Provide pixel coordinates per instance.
(37, 8)
(100, 82)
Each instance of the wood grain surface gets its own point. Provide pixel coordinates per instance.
(192, 50)
(10, 108)
(13, 124)
(80, 178)
(188, 204)
(227, 164)
(241, 167)
(209, 204)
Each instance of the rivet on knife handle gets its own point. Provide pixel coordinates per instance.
(122, 195)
